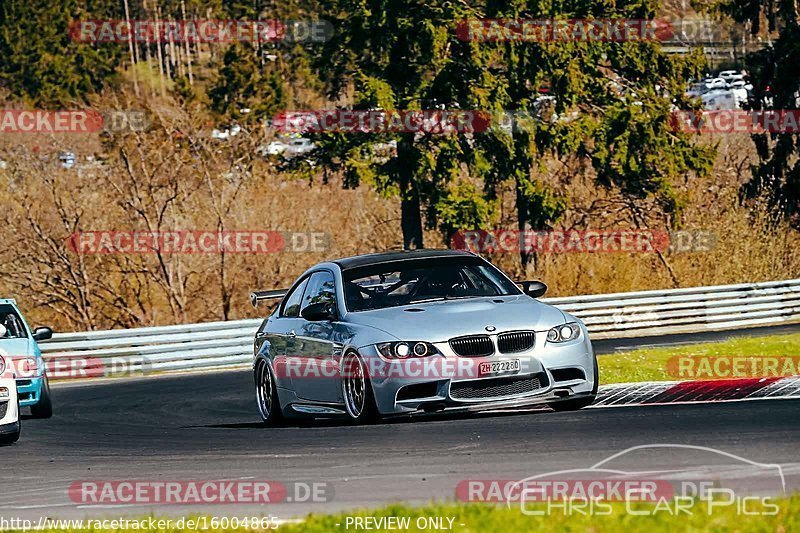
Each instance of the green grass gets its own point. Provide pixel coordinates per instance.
(490, 518)
(486, 518)
(652, 364)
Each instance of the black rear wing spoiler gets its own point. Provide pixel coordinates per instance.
(261, 296)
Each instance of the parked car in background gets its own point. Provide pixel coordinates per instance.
(25, 358)
(741, 84)
(741, 93)
(226, 133)
(730, 80)
(299, 147)
(67, 159)
(273, 148)
(289, 147)
(720, 99)
(696, 89)
(715, 83)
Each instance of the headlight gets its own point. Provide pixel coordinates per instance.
(4, 392)
(567, 332)
(406, 349)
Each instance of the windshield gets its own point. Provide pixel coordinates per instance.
(12, 322)
(423, 280)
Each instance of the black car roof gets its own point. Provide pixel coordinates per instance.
(402, 255)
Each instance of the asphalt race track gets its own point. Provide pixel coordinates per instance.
(205, 426)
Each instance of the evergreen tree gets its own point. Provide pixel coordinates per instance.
(42, 63)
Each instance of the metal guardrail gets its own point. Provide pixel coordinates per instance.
(213, 345)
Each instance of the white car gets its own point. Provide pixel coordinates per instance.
(741, 84)
(9, 403)
(67, 159)
(696, 89)
(740, 92)
(300, 146)
(273, 148)
(718, 100)
(290, 148)
(728, 74)
(716, 83)
(227, 133)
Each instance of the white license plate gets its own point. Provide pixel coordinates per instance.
(493, 368)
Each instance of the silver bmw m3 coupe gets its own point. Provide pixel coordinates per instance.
(399, 333)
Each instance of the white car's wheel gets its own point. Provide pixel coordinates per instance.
(10, 438)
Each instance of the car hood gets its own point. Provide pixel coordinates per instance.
(442, 320)
(16, 347)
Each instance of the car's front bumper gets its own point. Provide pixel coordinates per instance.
(9, 413)
(550, 372)
(29, 390)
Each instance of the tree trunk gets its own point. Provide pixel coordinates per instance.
(130, 50)
(186, 43)
(410, 209)
(157, 10)
(411, 219)
(525, 257)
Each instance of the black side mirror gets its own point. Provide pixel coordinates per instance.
(534, 289)
(317, 312)
(42, 334)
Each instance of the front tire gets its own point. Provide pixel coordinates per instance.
(359, 399)
(10, 438)
(269, 406)
(44, 407)
(579, 403)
